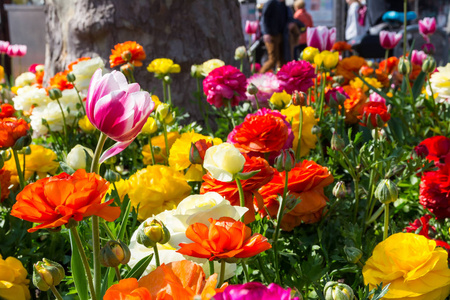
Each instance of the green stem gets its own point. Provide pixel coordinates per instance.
(56, 293)
(231, 112)
(405, 9)
(169, 94)
(211, 267)
(413, 104)
(371, 203)
(155, 250)
(244, 267)
(117, 273)
(300, 129)
(257, 102)
(79, 99)
(222, 273)
(386, 56)
(19, 171)
(151, 149)
(84, 261)
(241, 196)
(107, 230)
(164, 91)
(65, 125)
(386, 221)
(355, 213)
(322, 95)
(95, 167)
(262, 268)
(241, 66)
(166, 142)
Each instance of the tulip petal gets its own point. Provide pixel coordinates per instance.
(114, 150)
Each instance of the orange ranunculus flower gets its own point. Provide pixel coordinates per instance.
(225, 238)
(127, 289)
(180, 280)
(6, 110)
(306, 181)
(350, 65)
(60, 81)
(5, 181)
(389, 65)
(382, 77)
(341, 46)
(262, 132)
(366, 71)
(128, 52)
(70, 66)
(11, 129)
(53, 201)
(354, 104)
(229, 190)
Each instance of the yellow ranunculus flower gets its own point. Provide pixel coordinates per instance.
(156, 189)
(309, 53)
(327, 59)
(14, 89)
(179, 154)
(358, 83)
(13, 280)
(157, 101)
(150, 126)
(2, 73)
(210, 65)
(413, 266)
(158, 141)
(163, 66)
(309, 140)
(86, 125)
(41, 161)
(280, 100)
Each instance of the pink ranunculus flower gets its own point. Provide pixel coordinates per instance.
(251, 27)
(296, 76)
(255, 290)
(417, 57)
(4, 47)
(255, 67)
(16, 50)
(389, 40)
(225, 83)
(117, 109)
(427, 26)
(374, 97)
(321, 37)
(267, 84)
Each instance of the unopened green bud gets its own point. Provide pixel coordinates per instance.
(127, 69)
(54, 93)
(47, 273)
(386, 191)
(162, 111)
(240, 53)
(114, 253)
(126, 55)
(316, 129)
(152, 233)
(339, 79)
(340, 190)
(112, 176)
(196, 71)
(353, 254)
(167, 79)
(429, 65)
(22, 142)
(285, 161)
(252, 89)
(338, 291)
(169, 119)
(299, 98)
(404, 66)
(337, 143)
(71, 77)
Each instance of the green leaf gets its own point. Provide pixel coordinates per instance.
(78, 273)
(139, 268)
(66, 168)
(123, 225)
(107, 281)
(379, 92)
(247, 175)
(418, 84)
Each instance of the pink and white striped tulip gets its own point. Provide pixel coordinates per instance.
(16, 50)
(417, 57)
(321, 37)
(4, 47)
(389, 40)
(117, 109)
(251, 27)
(427, 26)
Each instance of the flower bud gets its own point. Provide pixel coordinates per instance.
(111, 160)
(169, 119)
(71, 77)
(198, 150)
(127, 69)
(150, 126)
(299, 98)
(22, 142)
(429, 65)
(338, 291)
(252, 89)
(153, 233)
(386, 191)
(112, 176)
(240, 53)
(196, 71)
(404, 66)
(162, 111)
(339, 79)
(309, 53)
(353, 254)
(340, 190)
(167, 79)
(114, 253)
(421, 151)
(316, 129)
(285, 161)
(54, 93)
(337, 143)
(47, 273)
(428, 48)
(126, 55)
(79, 157)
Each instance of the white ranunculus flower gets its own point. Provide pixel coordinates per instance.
(29, 96)
(440, 83)
(210, 65)
(223, 162)
(25, 79)
(84, 70)
(193, 209)
(78, 157)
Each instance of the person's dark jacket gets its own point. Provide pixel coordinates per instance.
(274, 18)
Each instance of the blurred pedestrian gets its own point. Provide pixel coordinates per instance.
(356, 19)
(303, 16)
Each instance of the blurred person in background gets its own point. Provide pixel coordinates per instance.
(303, 16)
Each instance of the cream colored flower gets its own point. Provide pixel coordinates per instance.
(83, 71)
(29, 96)
(78, 157)
(25, 79)
(223, 162)
(210, 65)
(440, 82)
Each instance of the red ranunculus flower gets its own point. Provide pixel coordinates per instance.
(435, 190)
(438, 147)
(6, 110)
(11, 129)
(53, 201)
(229, 190)
(5, 181)
(59, 81)
(296, 76)
(306, 181)
(373, 109)
(424, 227)
(265, 131)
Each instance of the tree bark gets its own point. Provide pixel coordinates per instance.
(188, 32)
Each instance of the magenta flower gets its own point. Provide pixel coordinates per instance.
(16, 50)
(321, 37)
(333, 94)
(4, 47)
(251, 27)
(223, 84)
(427, 26)
(428, 48)
(389, 40)
(417, 57)
(267, 84)
(296, 76)
(254, 290)
(117, 109)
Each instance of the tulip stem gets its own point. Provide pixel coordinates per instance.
(117, 273)
(386, 56)
(222, 273)
(151, 149)
(19, 171)
(84, 260)
(155, 250)
(244, 268)
(56, 293)
(65, 125)
(166, 142)
(211, 267)
(322, 94)
(241, 196)
(386, 221)
(300, 129)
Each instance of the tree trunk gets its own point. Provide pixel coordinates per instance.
(188, 32)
